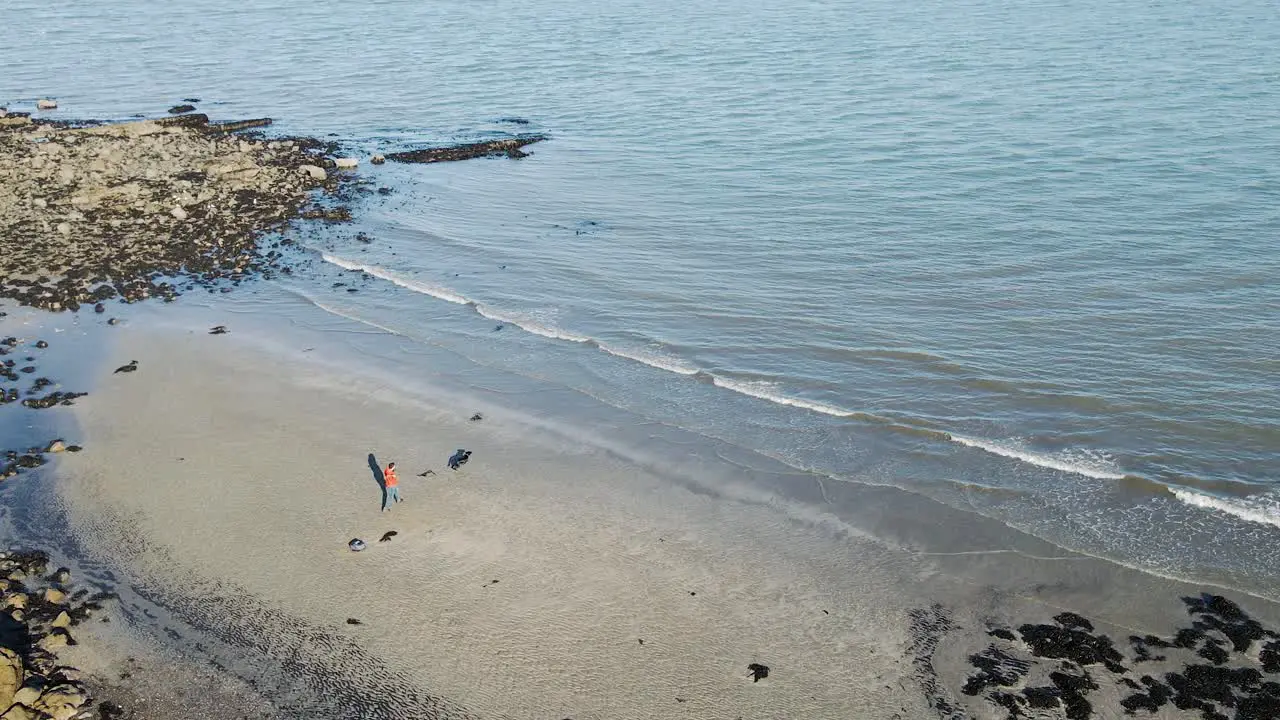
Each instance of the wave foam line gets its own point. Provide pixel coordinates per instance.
(655, 360)
(531, 326)
(1251, 510)
(762, 390)
(765, 391)
(434, 291)
(1092, 468)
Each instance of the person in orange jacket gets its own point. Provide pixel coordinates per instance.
(391, 483)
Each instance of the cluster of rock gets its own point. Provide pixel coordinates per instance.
(135, 210)
(12, 373)
(39, 612)
(1224, 665)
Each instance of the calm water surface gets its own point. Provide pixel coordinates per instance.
(1019, 258)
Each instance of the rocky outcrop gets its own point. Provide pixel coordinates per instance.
(121, 210)
(510, 147)
(38, 617)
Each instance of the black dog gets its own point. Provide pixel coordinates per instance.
(459, 459)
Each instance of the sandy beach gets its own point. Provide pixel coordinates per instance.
(548, 577)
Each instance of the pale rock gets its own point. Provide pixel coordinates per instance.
(46, 104)
(56, 446)
(27, 695)
(16, 120)
(62, 621)
(40, 203)
(52, 641)
(64, 228)
(17, 615)
(11, 676)
(345, 163)
(55, 596)
(316, 173)
(377, 159)
(20, 712)
(60, 701)
(179, 213)
(17, 600)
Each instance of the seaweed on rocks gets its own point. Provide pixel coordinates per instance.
(509, 147)
(1231, 685)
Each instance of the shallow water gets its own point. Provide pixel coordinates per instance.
(1016, 258)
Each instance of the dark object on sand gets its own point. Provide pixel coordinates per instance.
(425, 473)
(240, 125)
(386, 536)
(497, 328)
(476, 417)
(99, 308)
(179, 109)
(42, 344)
(459, 458)
(356, 544)
(218, 330)
(113, 321)
(353, 621)
(489, 148)
(74, 448)
(758, 671)
(191, 100)
(133, 365)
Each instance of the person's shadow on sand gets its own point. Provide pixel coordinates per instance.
(376, 469)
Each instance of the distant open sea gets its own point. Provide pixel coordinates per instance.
(1017, 257)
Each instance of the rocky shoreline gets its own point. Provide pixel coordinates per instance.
(146, 209)
(99, 212)
(40, 610)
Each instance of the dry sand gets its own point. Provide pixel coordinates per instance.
(220, 473)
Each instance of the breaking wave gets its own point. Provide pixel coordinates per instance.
(1255, 509)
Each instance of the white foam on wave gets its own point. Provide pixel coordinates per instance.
(652, 359)
(434, 291)
(1089, 464)
(1255, 509)
(537, 326)
(766, 390)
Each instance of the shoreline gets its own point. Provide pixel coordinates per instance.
(216, 522)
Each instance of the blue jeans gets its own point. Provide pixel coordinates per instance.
(393, 493)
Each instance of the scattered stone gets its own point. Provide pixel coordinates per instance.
(356, 544)
(346, 163)
(218, 330)
(180, 109)
(179, 213)
(316, 173)
(54, 596)
(56, 446)
(386, 536)
(99, 308)
(377, 159)
(459, 458)
(477, 417)
(425, 473)
(353, 621)
(42, 344)
(46, 104)
(132, 366)
(758, 672)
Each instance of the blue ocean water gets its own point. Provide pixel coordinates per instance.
(1020, 258)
